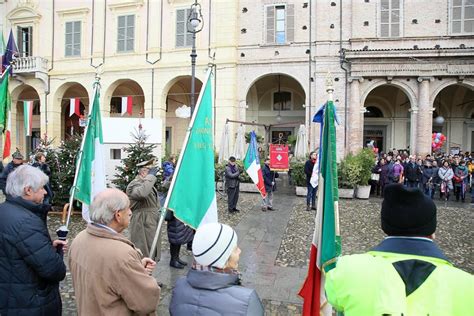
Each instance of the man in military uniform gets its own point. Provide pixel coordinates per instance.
(145, 206)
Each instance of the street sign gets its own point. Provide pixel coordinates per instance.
(279, 157)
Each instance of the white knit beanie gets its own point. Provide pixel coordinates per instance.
(213, 244)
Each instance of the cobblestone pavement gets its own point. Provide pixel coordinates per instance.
(359, 228)
(360, 231)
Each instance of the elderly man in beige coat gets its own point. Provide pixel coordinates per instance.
(108, 273)
(145, 206)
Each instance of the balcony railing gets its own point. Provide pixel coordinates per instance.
(30, 65)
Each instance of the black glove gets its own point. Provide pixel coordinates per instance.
(153, 171)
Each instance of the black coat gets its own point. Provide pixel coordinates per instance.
(178, 233)
(30, 268)
(269, 177)
(6, 171)
(412, 172)
(308, 170)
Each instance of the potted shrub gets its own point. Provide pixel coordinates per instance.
(348, 174)
(366, 160)
(246, 184)
(298, 177)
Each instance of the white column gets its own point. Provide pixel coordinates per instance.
(425, 117)
(413, 128)
(355, 120)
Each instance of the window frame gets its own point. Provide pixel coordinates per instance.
(461, 20)
(186, 33)
(287, 28)
(273, 100)
(20, 43)
(389, 23)
(125, 39)
(73, 43)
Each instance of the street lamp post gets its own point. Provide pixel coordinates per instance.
(194, 25)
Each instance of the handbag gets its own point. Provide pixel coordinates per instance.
(457, 179)
(375, 177)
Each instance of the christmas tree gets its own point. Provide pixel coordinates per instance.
(136, 152)
(63, 177)
(62, 162)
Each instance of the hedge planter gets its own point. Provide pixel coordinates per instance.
(244, 187)
(346, 193)
(363, 191)
(301, 191)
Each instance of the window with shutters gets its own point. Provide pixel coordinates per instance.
(390, 18)
(183, 37)
(462, 16)
(126, 33)
(73, 39)
(25, 40)
(280, 24)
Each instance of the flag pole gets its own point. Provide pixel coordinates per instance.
(164, 208)
(73, 189)
(6, 71)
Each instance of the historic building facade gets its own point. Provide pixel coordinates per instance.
(401, 69)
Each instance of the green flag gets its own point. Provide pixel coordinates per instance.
(192, 195)
(4, 102)
(90, 166)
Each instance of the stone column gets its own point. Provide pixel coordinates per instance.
(43, 114)
(413, 128)
(355, 122)
(425, 117)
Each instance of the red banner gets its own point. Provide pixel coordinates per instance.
(279, 157)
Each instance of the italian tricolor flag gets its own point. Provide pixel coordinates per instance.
(127, 104)
(74, 107)
(28, 116)
(5, 116)
(192, 194)
(90, 169)
(326, 245)
(252, 165)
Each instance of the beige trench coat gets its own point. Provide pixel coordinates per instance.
(108, 276)
(145, 206)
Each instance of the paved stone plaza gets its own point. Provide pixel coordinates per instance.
(275, 245)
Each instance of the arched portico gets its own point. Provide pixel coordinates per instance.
(178, 95)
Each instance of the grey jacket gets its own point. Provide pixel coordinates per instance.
(211, 293)
(232, 178)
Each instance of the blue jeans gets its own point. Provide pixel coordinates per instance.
(311, 195)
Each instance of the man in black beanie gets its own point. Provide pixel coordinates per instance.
(406, 274)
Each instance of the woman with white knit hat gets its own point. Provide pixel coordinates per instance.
(212, 286)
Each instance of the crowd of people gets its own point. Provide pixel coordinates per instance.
(443, 176)
(113, 274)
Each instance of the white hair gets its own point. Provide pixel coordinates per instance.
(105, 205)
(23, 177)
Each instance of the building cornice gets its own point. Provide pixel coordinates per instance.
(388, 68)
(76, 11)
(125, 4)
(409, 53)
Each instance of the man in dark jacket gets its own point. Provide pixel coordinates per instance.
(308, 170)
(232, 182)
(16, 162)
(31, 265)
(269, 181)
(411, 173)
